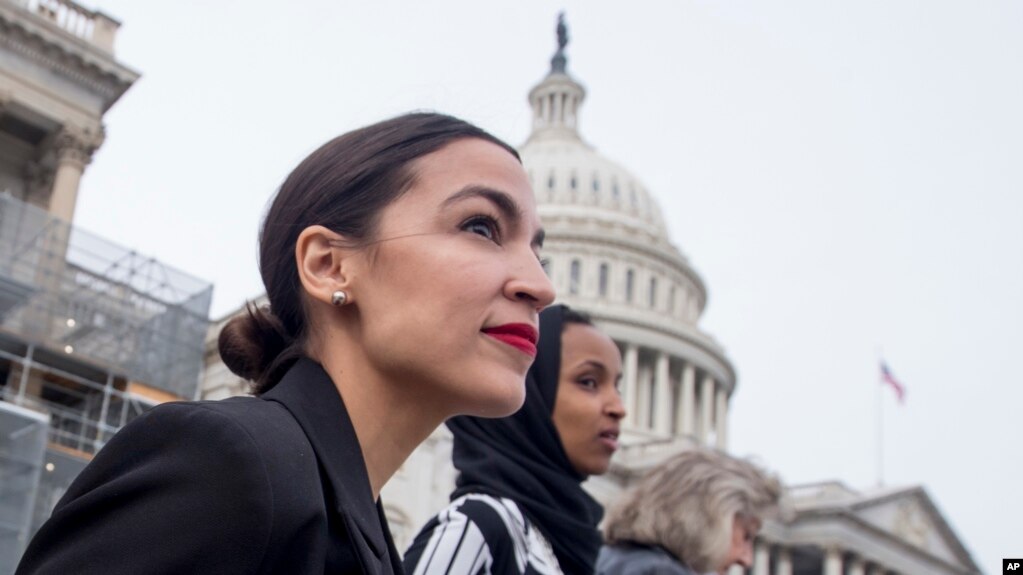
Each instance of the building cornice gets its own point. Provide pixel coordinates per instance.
(44, 43)
(782, 533)
(669, 256)
(936, 516)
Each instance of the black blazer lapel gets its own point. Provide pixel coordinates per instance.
(311, 397)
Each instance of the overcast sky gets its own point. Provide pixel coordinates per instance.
(846, 177)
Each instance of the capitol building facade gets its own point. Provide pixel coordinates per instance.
(610, 255)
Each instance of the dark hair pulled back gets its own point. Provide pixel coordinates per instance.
(342, 186)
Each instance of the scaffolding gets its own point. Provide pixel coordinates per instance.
(22, 444)
(92, 333)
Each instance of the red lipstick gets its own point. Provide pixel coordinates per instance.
(521, 336)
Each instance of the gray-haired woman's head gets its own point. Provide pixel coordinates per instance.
(688, 504)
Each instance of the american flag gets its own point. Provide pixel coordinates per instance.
(887, 377)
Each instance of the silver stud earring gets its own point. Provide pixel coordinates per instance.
(338, 298)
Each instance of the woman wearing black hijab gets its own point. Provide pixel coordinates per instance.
(519, 506)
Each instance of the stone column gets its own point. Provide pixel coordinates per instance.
(645, 393)
(761, 558)
(662, 395)
(630, 383)
(783, 562)
(832, 561)
(856, 567)
(686, 422)
(74, 150)
(706, 407)
(721, 418)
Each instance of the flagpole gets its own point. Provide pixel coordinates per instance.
(880, 426)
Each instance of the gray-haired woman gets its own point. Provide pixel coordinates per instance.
(697, 512)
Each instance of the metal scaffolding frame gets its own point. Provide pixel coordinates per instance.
(83, 322)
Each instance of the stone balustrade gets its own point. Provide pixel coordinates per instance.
(92, 26)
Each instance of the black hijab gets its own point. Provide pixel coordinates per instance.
(521, 457)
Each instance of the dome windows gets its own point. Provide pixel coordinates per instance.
(653, 292)
(573, 277)
(602, 280)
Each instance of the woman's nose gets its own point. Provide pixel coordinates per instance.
(615, 406)
(531, 284)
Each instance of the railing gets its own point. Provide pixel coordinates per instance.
(89, 25)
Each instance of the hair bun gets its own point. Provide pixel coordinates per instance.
(251, 343)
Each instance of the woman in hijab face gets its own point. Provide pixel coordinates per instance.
(519, 506)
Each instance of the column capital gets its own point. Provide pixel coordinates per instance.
(39, 176)
(75, 145)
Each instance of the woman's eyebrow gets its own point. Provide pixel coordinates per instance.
(504, 202)
(592, 363)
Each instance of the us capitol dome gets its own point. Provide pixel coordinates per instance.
(610, 255)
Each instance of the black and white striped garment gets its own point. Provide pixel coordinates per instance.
(480, 535)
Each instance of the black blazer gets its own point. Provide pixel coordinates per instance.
(274, 484)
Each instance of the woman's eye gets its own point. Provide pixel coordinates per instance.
(484, 226)
(588, 382)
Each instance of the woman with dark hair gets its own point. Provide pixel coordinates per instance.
(400, 262)
(697, 512)
(519, 506)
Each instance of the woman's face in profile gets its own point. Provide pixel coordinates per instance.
(449, 290)
(740, 551)
(588, 408)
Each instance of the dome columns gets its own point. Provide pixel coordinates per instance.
(660, 393)
(556, 102)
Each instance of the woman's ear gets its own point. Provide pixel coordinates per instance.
(321, 260)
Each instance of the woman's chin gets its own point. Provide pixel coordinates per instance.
(504, 401)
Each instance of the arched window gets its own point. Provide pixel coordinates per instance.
(602, 283)
(630, 281)
(551, 181)
(671, 300)
(573, 278)
(653, 292)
